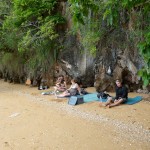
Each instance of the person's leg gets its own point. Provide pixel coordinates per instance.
(109, 101)
(64, 94)
(55, 88)
(61, 89)
(116, 103)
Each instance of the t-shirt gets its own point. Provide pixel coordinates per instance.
(74, 86)
(121, 92)
(74, 89)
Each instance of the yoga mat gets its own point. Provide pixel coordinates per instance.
(93, 97)
(133, 100)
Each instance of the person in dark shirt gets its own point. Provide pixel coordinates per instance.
(121, 96)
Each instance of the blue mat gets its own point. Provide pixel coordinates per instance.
(133, 100)
(93, 97)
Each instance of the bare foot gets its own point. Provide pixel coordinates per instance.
(108, 106)
(59, 96)
(102, 104)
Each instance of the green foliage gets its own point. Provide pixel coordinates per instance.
(13, 62)
(47, 30)
(86, 17)
(5, 8)
(30, 10)
(144, 48)
(141, 15)
(29, 30)
(90, 40)
(80, 9)
(111, 13)
(116, 13)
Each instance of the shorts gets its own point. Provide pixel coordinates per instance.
(73, 92)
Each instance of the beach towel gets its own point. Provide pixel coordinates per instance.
(51, 93)
(48, 93)
(93, 97)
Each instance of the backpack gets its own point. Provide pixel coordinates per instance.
(83, 91)
(103, 95)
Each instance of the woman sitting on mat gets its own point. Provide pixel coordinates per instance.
(72, 91)
(60, 84)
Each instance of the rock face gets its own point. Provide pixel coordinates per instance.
(110, 63)
(124, 64)
(116, 58)
(74, 61)
(121, 68)
(77, 63)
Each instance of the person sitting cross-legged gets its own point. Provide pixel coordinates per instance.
(121, 96)
(60, 84)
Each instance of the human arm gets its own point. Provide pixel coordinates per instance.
(69, 88)
(124, 92)
(117, 93)
(58, 82)
(65, 85)
(79, 89)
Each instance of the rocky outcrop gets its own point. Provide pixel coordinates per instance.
(124, 64)
(117, 58)
(77, 63)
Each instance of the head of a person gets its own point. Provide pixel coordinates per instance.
(60, 77)
(118, 83)
(74, 80)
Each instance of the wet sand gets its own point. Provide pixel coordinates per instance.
(31, 121)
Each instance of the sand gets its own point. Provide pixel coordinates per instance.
(31, 121)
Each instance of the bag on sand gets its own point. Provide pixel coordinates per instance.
(83, 91)
(73, 100)
(103, 95)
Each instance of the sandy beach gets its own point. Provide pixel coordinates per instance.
(31, 121)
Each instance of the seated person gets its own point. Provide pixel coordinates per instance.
(60, 84)
(72, 91)
(121, 96)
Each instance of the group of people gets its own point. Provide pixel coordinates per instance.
(75, 89)
(61, 86)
